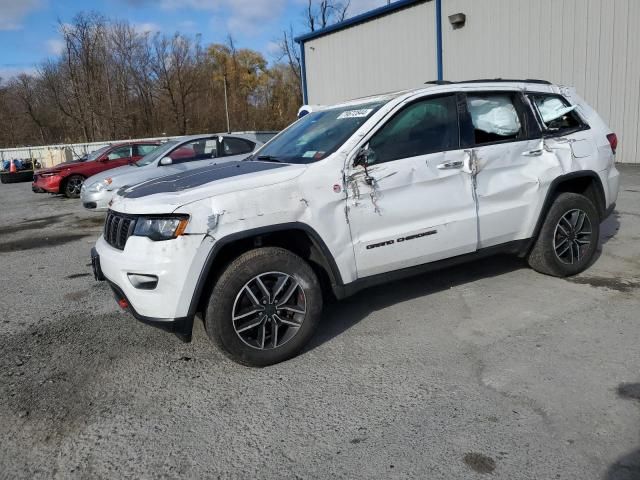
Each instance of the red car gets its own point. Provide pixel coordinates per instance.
(67, 178)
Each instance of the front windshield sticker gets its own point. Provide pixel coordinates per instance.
(363, 112)
(309, 153)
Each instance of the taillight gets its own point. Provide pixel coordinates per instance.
(613, 141)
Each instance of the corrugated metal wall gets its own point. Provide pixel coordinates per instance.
(378, 56)
(593, 45)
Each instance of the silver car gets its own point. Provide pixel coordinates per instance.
(173, 157)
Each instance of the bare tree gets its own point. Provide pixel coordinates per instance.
(113, 82)
(322, 14)
(318, 15)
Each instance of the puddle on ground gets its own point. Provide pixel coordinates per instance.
(31, 224)
(89, 222)
(629, 391)
(36, 243)
(479, 463)
(616, 284)
(44, 222)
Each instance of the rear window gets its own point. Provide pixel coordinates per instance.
(236, 146)
(556, 113)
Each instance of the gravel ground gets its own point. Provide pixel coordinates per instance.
(484, 370)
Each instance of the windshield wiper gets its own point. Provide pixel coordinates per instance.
(268, 158)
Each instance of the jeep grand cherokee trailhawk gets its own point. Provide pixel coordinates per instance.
(357, 194)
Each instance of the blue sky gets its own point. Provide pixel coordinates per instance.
(29, 28)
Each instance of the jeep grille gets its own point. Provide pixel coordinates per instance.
(118, 228)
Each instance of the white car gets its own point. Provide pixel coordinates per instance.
(175, 156)
(357, 194)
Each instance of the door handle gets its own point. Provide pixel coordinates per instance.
(533, 153)
(451, 165)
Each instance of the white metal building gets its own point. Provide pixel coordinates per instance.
(593, 45)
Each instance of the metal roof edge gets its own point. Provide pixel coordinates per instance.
(358, 19)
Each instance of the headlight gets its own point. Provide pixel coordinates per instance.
(96, 187)
(161, 228)
(99, 186)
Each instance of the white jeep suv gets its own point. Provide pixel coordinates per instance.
(357, 194)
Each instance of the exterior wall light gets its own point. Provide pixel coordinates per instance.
(457, 20)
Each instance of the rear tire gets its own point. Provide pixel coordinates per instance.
(73, 185)
(569, 237)
(264, 307)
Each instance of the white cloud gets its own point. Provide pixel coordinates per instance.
(273, 48)
(7, 73)
(55, 46)
(146, 27)
(187, 26)
(12, 12)
(246, 16)
(242, 16)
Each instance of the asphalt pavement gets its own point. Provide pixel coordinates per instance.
(486, 370)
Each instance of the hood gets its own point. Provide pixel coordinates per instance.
(62, 166)
(113, 172)
(167, 193)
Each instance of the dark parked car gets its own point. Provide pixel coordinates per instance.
(67, 178)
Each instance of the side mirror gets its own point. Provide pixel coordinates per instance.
(364, 157)
(105, 159)
(166, 161)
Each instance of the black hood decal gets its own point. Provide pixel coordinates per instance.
(194, 178)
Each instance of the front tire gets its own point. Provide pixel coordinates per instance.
(264, 307)
(73, 185)
(569, 237)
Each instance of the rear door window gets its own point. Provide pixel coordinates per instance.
(426, 126)
(494, 117)
(142, 149)
(556, 114)
(202, 149)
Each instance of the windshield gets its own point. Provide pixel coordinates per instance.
(96, 153)
(317, 135)
(157, 153)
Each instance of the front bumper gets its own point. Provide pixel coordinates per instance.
(177, 264)
(182, 327)
(97, 201)
(48, 184)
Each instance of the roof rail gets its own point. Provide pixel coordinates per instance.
(490, 80)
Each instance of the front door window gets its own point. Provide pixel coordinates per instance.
(426, 126)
